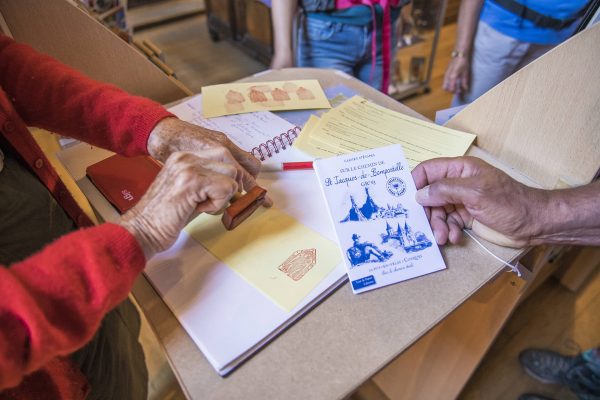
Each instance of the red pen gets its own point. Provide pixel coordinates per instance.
(286, 166)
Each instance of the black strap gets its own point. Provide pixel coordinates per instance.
(540, 20)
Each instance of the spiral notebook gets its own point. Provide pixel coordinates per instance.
(252, 132)
(271, 148)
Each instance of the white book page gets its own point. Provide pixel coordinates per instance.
(248, 130)
(227, 318)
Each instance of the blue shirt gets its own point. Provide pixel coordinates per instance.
(524, 30)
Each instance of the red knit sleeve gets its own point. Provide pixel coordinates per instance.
(50, 95)
(53, 302)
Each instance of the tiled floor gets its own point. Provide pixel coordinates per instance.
(161, 11)
(196, 59)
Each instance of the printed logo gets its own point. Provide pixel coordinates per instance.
(396, 186)
(363, 282)
(127, 195)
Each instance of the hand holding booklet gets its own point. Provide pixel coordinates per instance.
(383, 232)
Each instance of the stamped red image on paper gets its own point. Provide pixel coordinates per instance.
(299, 263)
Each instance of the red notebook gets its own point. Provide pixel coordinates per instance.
(123, 180)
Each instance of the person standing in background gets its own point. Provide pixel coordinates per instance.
(496, 38)
(353, 36)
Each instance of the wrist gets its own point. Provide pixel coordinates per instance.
(135, 228)
(161, 138)
(284, 49)
(565, 217)
(459, 53)
(541, 212)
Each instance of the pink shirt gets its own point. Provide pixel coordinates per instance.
(386, 32)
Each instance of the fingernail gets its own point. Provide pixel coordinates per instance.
(436, 235)
(422, 195)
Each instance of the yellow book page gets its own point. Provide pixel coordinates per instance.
(305, 143)
(272, 251)
(359, 125)
(238, 98)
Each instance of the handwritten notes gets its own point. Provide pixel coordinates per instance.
(359, 124)
(238, 98)
(272, 251)
(250, 131)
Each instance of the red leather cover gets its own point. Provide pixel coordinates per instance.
(123, 180)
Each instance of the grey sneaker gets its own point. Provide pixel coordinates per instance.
(531, 396)
(546, 366)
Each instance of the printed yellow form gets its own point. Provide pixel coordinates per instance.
(359, 124)
(306, 143)
(238, 98)
(272, 251)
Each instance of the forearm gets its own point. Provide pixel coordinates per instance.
(468, 18)
(53, 302)
(572, 216)
(282, 18)
(55, 97)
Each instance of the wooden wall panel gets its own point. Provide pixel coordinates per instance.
(62, 30)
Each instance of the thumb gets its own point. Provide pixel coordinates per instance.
(444, 192)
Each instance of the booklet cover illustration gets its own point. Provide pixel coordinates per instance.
(383, 232)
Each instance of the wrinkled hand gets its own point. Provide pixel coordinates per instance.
(456, 79)
(172, 134)
(186, 186)
(466, 192)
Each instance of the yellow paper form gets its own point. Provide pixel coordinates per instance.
(359, 125)
(238, 98)
(313, 148)
(271, 250)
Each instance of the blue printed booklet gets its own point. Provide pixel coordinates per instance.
(383, 232)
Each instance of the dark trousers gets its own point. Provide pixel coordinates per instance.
(113, 361)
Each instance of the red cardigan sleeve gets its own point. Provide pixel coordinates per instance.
(52, 96)
(54, 301)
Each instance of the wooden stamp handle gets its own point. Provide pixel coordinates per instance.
(243, 207)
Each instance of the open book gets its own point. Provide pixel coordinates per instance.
(226, 316)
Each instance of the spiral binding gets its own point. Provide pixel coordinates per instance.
(278, 143)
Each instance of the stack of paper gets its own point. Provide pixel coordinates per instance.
(359, 124)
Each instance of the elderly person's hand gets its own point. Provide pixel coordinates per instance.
(172, 134)
(466, 192)
(187, 185)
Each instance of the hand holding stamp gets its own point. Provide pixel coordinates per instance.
(242, 207)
